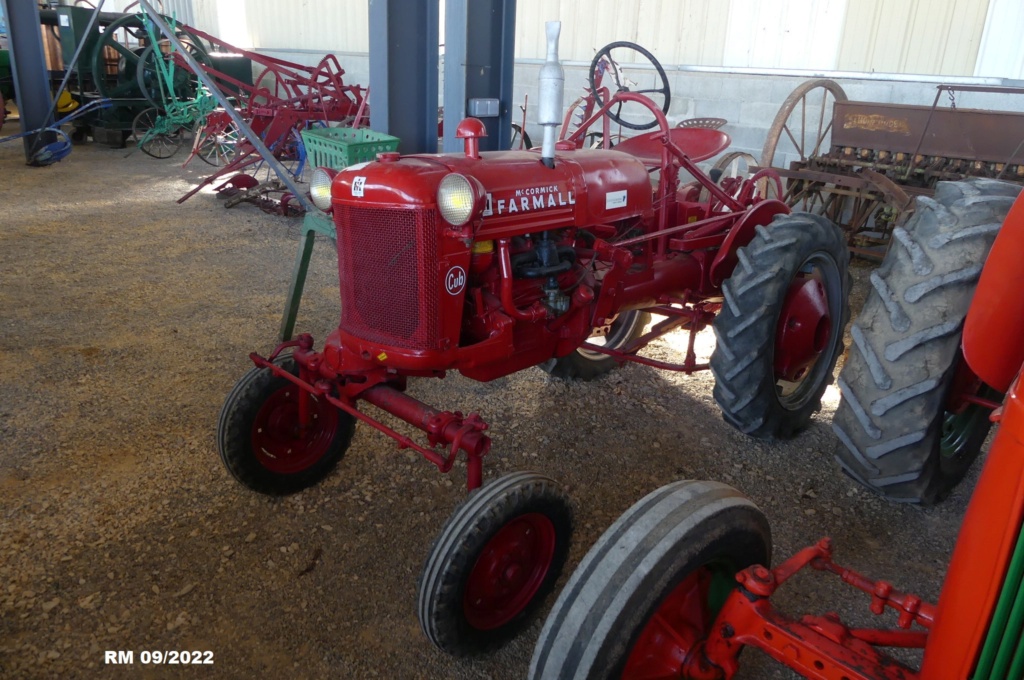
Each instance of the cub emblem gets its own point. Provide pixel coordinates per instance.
(455, 280)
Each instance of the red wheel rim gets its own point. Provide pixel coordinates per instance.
(683, 619)
(279, 441)
(804, 329)
(509, 571)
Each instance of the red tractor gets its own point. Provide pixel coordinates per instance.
(489, 263)
(679, 585)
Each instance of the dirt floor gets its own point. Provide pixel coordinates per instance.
(125, 319)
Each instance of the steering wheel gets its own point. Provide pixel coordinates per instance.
(605, 65)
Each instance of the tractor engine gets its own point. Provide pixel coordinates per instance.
(485, 263)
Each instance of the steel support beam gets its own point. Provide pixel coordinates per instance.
(479, 53)
(403, 71)
(28, 64)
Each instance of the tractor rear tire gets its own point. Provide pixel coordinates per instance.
(584, 364)
(896, 437)
(781, 256)
(259, 440)
(646, 595)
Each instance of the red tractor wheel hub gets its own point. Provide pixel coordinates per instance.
(679, 624)
(509, 571)
(804, 329)
(280, 441)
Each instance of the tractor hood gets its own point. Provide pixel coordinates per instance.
(520, 194)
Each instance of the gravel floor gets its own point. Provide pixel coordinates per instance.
(127, 319)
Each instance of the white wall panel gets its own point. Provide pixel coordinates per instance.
(1001, 54)
(888, 36)
(801, 34)
(306, 25)
(913, 36)
(675, 31)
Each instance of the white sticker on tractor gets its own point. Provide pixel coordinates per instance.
(357, 186)
(615, 199)
(455, 280)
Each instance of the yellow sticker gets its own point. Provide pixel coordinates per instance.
(382, 356)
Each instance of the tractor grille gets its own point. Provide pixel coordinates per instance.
(387, 268)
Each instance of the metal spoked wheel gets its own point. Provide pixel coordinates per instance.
(607, 68)
(153, 143)
(216, 143)
(124, 37)
(647, 594)
(183, 83)
(496, 559)
(803, 126)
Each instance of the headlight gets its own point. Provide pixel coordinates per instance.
(456, 199)
(320, 188)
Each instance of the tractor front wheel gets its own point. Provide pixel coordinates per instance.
(780, 330)
(496, 559)
(263, 442)
(649, 590)
(585, 364)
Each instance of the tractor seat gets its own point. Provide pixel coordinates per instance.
(699, 144)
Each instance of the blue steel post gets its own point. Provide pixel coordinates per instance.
(403, 71)
(28, 64)
(479, 54)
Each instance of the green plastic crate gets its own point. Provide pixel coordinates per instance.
(339, 147)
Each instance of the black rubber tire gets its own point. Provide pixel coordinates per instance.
(665, 89)
(635, 564)
(746, 387)
(235, 428)
(906, 346)
(586, 365)
(454, 553)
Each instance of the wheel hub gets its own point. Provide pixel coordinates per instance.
(280, 440)
(804, 329)
(680, 623)
(509, 571)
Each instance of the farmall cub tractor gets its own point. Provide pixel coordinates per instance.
(680, 584)
(495, 262)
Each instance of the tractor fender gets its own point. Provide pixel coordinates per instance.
(740, 235)
(993, 339)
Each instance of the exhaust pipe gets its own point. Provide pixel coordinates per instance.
(552, 84)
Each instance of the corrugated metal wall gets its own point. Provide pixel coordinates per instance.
(691, 32)
(180, 9)
(892, 36)
(331, 25)
(913, 36)
(943, 37)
